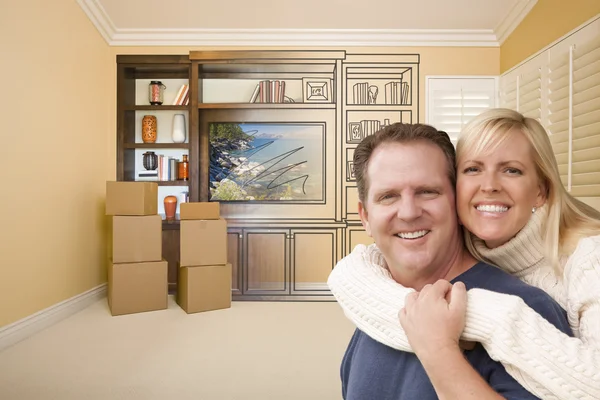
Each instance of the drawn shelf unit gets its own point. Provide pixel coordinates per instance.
(291, 222)
(380, 89)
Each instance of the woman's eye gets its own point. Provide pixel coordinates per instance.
(513, 171)
(470, 170)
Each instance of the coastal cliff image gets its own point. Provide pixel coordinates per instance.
(267, 161)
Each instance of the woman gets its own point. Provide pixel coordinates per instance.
(517, 216)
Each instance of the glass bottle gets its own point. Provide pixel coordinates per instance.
(184, 169)
(155, 92)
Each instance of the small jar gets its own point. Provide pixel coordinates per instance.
(150, 160)
(183, 173)
(155, 92)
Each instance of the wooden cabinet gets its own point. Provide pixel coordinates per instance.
(278, 264)
(355, 234)
(291, 212)
(134, 74)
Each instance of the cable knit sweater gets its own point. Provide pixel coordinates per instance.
(547, 362)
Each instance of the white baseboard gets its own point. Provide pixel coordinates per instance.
(24, 328)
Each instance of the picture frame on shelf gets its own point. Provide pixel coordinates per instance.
(350, 171)
(316, 90)
(355, 133)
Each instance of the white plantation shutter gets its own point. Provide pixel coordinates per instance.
(568, 73)
(452, 102)
(508, 92)
(559, 111)
(530, 94)
(585, 170)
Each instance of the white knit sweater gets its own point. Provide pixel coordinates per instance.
(547, 362)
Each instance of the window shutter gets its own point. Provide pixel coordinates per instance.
(530, 94)
(508, 92)
(559, 112)
(585, 179)
(453, 102)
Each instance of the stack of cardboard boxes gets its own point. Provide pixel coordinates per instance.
(137, 273)
(204, 281)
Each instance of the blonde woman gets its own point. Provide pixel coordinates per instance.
(517, 216)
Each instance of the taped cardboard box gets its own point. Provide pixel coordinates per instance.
(137, 287)
(199, 210)
(203, 242)
(136, 238)
(204, 288)
(131, 198)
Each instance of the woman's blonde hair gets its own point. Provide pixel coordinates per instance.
(568, 219)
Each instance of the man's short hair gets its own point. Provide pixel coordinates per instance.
(400, 133)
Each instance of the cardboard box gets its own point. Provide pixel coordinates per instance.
(131, 198)
(137, 287)
(203, 242)
(199, 210)
(204, 288)
(136, 238)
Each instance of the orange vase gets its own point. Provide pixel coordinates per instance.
(149, 129)
(170, 207)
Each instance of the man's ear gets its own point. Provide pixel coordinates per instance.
(364, 217)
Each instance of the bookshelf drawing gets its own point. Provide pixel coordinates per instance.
(284, 126)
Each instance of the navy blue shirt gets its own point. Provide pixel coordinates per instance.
(373, 371)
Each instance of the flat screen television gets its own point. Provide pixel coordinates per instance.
(270, 162)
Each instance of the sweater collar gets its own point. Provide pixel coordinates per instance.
(523, 251)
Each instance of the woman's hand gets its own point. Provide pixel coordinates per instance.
(434, 318)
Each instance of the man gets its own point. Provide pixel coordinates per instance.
(406, 184)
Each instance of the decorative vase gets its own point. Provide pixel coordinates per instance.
(149, 129)
(178, 133)
(170, 207)
(155, 93)
(183, 172)
(150, 161)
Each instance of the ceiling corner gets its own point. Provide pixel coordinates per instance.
(514, 17)
(97, 14)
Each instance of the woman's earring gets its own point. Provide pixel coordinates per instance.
(533, 210)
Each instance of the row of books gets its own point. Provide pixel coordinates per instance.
(396, 92)
(167, 170)
(268, 91)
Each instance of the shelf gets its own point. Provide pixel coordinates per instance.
(286, 106)
(156, 108)
(167, 183)
(378, 107)
(185, 146)
(173, 183)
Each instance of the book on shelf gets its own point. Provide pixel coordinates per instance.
(268, 91)
(182, 97)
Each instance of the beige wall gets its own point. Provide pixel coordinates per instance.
(59, 122)
(55, 135)
(548, 21)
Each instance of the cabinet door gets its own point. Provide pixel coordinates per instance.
(313, 257)
(266, 266)
(356, 235)
(234, 257)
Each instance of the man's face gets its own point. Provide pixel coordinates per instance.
(409, 209)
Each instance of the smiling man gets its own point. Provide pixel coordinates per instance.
(406, 182)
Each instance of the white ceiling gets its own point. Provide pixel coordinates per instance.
(293, 22)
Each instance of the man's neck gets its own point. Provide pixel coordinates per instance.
(459, 261)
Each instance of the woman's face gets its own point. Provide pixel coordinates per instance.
(496, 192)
